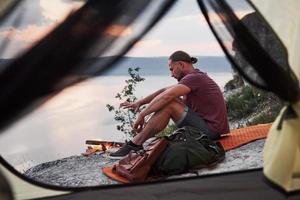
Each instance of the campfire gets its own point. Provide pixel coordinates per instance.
(100, 146)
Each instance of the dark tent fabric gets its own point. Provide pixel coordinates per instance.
(72, 52)
(259, 55)
(7, 7)
(252, 46)
(67, 55)
(242, 185)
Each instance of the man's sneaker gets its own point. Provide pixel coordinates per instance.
(124, 150)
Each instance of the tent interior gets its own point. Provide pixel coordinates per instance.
(87, 40)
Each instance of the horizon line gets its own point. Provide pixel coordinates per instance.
(140, 56)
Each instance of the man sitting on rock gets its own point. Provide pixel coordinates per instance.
(195, 101)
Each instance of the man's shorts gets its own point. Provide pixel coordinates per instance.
(190, 118)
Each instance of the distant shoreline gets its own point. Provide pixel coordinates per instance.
(159, 66)
(150, 65)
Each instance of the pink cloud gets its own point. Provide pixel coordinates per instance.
(28, 34)
(161, 49)
(118, 30)
(148, 43)
(57, 10)
(215, 18)
(188, 19)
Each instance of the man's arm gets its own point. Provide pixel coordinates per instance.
(150, 97)
(137, 104)
(165, 97)
(159, 102)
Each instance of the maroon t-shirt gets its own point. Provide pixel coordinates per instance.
(206, 99)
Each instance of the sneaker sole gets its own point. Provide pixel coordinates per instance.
(115, 157)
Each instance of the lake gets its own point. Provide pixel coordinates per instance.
(60, 127)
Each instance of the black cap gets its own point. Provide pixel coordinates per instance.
(182, 56)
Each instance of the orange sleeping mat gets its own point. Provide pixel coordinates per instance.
(241, 136)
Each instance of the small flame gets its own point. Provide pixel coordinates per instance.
(104, 146)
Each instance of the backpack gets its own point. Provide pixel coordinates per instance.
(188, 149)
(136, 165)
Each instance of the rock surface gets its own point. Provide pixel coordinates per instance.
(80, 171)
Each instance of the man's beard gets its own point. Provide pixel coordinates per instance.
(180, 76)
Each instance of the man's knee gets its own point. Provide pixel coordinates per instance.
(176, 105)
(175, 108)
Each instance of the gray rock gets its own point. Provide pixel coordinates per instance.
(74, 171)
(79, 171)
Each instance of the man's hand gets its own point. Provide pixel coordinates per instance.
(131, 105)
(139, 123)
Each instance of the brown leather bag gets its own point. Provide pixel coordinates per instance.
(136, 165)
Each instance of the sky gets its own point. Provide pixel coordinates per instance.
(183, 28)
(35, 18)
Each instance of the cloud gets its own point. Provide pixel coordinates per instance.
(241, 13)
(21, 39)
(148, 43)
(215, 17)
(200, 20)
(27, 34)
(158, 48)
(26, 13)
(37, 18)
(187, 18)
(54, 10)
(119, 30)
(57, 10)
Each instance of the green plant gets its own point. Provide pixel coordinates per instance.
(250, 102)
(126, 117)
(168, 130)
(244, 102)
(262, 119)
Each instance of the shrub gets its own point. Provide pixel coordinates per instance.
(168, 130)
(249, 102)
(262, 119)
(126, 117)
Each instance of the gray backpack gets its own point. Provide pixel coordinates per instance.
(188, 149)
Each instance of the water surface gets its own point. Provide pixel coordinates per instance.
(60, 127)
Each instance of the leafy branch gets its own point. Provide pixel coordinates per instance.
(126, 118)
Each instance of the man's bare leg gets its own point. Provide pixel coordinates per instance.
(159, 121)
